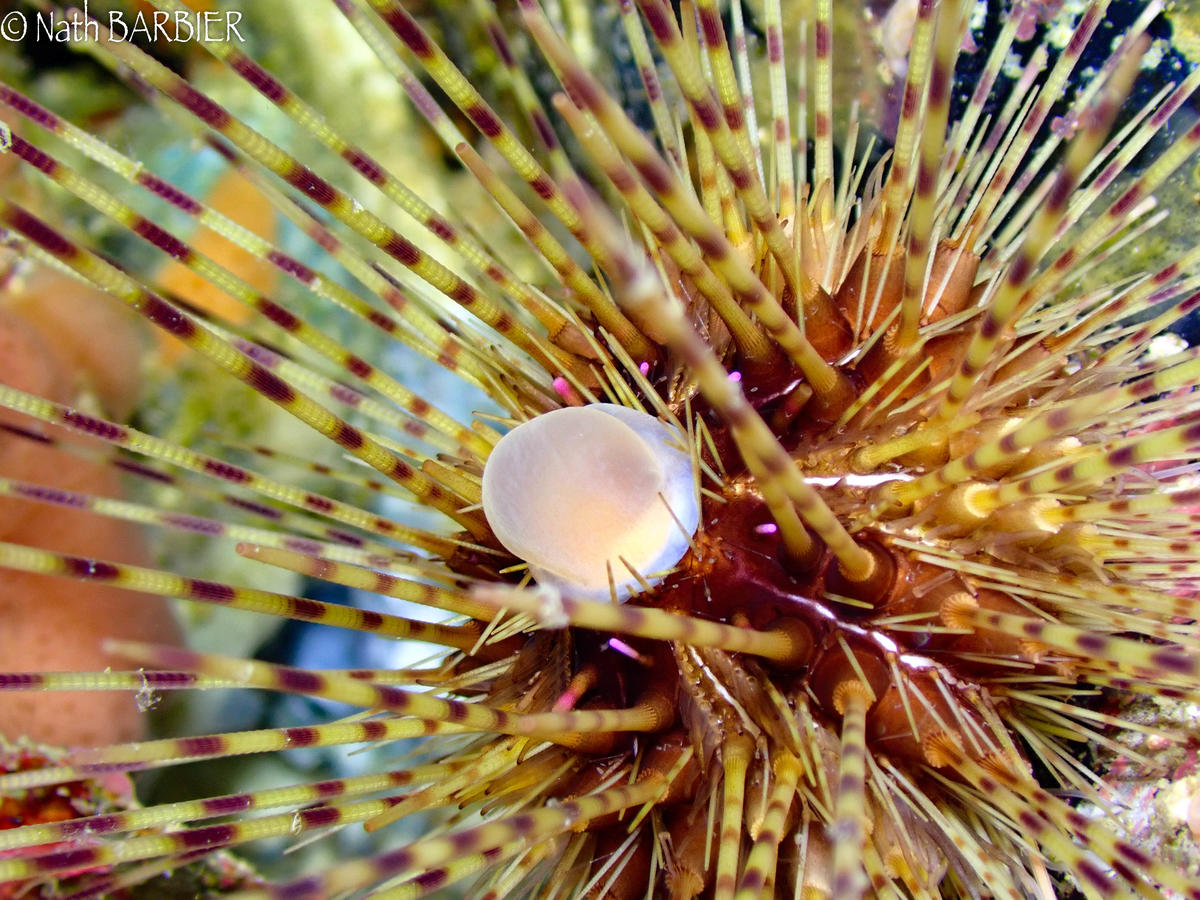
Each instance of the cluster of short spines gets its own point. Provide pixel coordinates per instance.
(1021, 623)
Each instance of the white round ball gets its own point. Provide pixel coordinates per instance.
(574, 491)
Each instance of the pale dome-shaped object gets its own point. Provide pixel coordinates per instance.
(574, 491)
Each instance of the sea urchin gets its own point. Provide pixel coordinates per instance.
(837, 492)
